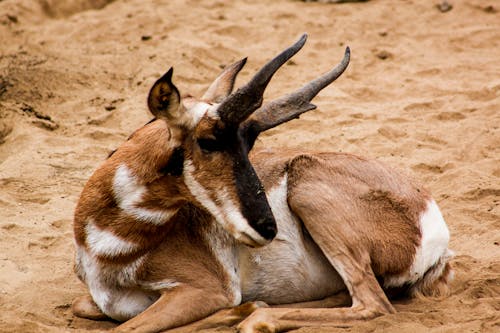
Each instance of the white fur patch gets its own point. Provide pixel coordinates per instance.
(435, 238)
(129, 303)
(433, 246)
(128, 193)
(92, 277)
(126, 276)
(292, 268)
(277, 199)
(113, 287)
(160, 285)
(198, 110)
(228, 215)
(222, 246)
(105, 243)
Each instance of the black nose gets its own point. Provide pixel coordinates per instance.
(266, 227)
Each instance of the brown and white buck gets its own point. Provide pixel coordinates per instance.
(175, 228)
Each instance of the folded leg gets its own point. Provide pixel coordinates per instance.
(180, 306)
(329, 220)
(85, 307)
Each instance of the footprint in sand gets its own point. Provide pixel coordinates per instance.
(449, 116)
(5, 130)
(391, 133)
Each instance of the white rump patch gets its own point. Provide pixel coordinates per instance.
(433, 246)
(128, 193)
(228, 215)
(105, 243)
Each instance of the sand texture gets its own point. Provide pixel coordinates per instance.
(422, 93)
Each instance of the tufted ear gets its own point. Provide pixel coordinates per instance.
(164, 100)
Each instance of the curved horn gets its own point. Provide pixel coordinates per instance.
(224, 83)
(240, 104)
(293, 105)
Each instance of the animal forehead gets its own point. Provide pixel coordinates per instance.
(198, 109)
(211, 128)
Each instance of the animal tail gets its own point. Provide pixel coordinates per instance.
(436, 281)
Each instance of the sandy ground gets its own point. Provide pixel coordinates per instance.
(422, 93)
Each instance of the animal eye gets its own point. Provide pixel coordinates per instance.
(209, 145)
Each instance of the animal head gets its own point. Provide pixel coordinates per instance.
(210, 138)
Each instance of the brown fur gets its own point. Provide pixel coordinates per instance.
(354, 214)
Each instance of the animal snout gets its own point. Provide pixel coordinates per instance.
(266, 227)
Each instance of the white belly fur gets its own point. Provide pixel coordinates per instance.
(291, 268)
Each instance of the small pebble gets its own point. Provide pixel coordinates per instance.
(444, 6)
(384, 55)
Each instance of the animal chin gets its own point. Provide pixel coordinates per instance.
(251, 240)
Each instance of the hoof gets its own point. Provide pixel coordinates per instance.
(85, 307)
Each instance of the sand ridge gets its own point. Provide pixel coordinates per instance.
(422, 93)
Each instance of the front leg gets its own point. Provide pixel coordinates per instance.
(85, 307)
(176, 307)
(223, 318)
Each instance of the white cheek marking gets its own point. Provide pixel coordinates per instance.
(433, 246)
(234, 217)
(198, 191)
(128, 193)
(105, 243)
(228, 215)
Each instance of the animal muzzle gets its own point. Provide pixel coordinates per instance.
(262, 226)
(266, 227)
(260, 236)
(253, 203)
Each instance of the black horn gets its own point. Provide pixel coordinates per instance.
(240, 104)
(293, 105)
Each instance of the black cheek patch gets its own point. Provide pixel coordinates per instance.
(175, 164)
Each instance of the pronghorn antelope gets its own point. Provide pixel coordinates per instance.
(181, 229)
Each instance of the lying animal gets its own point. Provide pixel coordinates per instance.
(180, 226)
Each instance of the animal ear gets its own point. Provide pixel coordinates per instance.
(223, 85)
(164, 100)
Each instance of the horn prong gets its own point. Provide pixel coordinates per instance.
(293, 105)
(243, 102)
